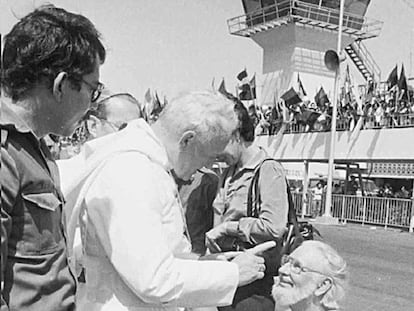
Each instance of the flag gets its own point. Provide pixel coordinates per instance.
(347, 80)
(148, 104)
(301, 89)
(307, 117)
(157, 106)
(353, 93)
(371, 87)
(370, 91)
(148, 96)
(222, 87)
(245, 93)
(253, 86)
(283, 110)
(393, 78)
(242, 75)
(402, 85)
(321, 99)
(356, 130)
(346, 92)
(291, 98)
(248, 90)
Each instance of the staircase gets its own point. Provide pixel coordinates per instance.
(364, 61)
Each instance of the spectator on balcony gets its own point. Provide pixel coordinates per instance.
(321, 123)
(379, 115)
(368, 112)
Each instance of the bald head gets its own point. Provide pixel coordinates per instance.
(112, 114)
(119, 109)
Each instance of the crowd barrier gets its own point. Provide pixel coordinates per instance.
(387, 212)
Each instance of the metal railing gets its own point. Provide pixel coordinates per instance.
(365, 210)
(259, 17)
(304, 13)
(390, 121)
(345, 124)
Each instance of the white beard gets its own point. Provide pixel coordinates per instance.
(285, 297)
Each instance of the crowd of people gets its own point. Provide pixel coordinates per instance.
(377, 111)
(115, 226)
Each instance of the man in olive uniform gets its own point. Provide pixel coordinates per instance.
(50, 76)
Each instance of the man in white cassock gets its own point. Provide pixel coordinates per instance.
(136, 253)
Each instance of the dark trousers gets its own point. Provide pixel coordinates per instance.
(256, 296)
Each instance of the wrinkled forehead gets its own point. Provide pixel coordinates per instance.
(310, 257)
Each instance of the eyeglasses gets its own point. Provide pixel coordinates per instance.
(96, 90)
(295, 266)
(116, 126)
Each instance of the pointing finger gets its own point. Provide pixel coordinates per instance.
(259, 249)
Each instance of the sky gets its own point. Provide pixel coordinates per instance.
(180, 45)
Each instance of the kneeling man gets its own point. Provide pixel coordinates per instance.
(312, 278)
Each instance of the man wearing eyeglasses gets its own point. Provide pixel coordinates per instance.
(312, 278)
(50, 77)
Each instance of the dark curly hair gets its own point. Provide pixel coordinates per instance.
(246, 125)
(45, 42)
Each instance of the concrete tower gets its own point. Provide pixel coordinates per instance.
(295, 35)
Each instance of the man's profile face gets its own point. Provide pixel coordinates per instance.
(291, 288)
(231, 153)
(199, 154)
(77, 102)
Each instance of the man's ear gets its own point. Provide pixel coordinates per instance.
(58, 85)
(93, 123)
(186, 140)
(324, 287)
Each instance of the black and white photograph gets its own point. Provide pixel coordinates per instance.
(207, 155)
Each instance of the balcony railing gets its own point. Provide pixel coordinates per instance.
(346, 124)
(302, 13)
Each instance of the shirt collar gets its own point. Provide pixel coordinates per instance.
(9, 118)
(256, 160)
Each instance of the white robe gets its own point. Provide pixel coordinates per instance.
(133, 231)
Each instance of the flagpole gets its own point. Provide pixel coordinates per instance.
(250, 90)
(328, 199)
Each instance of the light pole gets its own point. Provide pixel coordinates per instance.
(328, 199)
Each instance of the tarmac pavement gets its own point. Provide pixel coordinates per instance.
(381, 265)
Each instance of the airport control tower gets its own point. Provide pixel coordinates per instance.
(295, 35)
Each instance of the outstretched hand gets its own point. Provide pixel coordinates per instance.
(251, 264)
(259, 249)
